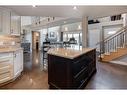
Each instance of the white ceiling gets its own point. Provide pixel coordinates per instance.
(68, 11)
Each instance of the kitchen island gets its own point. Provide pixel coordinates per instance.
(70, 68)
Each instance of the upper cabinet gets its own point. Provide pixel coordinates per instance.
(10, 22)
(15, 24)
(0, 22)
(4, 22)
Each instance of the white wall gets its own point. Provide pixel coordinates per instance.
(95, 29)
(71, 27)
(94, 38)
(43, 33)
(25, 20)
(28, 38)
(124, 17)
(109, 29)
(54, 30)
(104, 19)
(0, 21)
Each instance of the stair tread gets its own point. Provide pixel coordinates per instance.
(113, 55)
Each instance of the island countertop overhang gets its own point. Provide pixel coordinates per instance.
(69, 53)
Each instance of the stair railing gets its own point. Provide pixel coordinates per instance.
(113, 42)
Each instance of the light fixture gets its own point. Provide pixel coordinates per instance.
(66, 29)
(64, 21)
(111, 32)
(34, 6)
(75, 8)
(79, 27)
(37, 34)
(48, 19)
(53, 18)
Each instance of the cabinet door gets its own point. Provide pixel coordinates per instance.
(20, 57)
(4, 21)
(0, 21)
(16, 72)
(15, 24)
(18, 62)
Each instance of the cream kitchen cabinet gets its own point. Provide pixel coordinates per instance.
(11, 64)
(4, 21)
(6, 67)
(10, 22)
(0, 21)
(18, 62)
(15, 24)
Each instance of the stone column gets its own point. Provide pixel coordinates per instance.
(85, 32)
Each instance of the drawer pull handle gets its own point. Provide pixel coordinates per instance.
(82, 67)
(80, 73)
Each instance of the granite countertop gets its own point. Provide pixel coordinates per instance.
(2, 50)
(70, 53)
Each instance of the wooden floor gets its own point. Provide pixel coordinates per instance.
(108, 76)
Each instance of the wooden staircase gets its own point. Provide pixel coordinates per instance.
(113, 55)
(114, 46)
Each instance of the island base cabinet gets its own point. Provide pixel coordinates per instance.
(65, 73)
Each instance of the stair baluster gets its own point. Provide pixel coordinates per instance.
(112, 43)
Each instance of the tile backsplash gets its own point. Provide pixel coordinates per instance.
(9, 41)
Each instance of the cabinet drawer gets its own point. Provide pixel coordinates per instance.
(4, 69)
(79, 78)
(5, 77)
(6, 73)
(80, 64)
(6, 54)
(82, 74)
(5, 62)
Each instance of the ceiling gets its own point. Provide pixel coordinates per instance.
(68, 11)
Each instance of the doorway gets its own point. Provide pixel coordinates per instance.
(36, 40)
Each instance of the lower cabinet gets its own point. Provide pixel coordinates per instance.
(11, 65)
(6, 67)
(64, 73)
(18, 62)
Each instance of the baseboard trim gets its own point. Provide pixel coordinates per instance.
(119, 62)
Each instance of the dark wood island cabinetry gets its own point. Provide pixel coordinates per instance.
(69, 68)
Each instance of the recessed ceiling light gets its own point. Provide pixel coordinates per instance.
(75, 8)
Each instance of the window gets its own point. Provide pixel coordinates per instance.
(77, 36)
